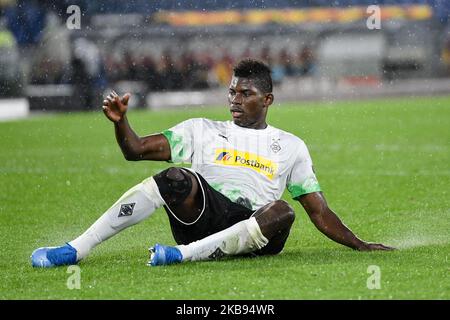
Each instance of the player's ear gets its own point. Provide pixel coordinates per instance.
(268, 99)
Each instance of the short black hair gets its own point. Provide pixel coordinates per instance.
(257, 71)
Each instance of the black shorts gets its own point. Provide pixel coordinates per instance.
(219, 213)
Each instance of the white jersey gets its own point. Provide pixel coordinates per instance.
(246, 165)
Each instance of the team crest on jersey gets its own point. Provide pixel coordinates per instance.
(275, 146)
(231, 157)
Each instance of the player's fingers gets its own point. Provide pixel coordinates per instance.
(125, 98)
(106, 104)
(380, 246)
(116, 99)
(112, 94)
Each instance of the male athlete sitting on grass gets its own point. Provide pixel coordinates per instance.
(228, 203)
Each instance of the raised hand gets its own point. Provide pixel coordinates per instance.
(115, 107)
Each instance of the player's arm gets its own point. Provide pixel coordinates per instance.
(329, 223)
(134, 148)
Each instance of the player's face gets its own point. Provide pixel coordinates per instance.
(248, 105)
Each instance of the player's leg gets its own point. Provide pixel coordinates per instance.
(182, 194)
(270, 224)
(134, 206)
(275, 227)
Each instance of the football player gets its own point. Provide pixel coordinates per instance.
(229, 201)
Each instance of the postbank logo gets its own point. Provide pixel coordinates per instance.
(231, 157)
(224, 156)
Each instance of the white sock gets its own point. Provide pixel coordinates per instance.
(134, 206)
(243, 237)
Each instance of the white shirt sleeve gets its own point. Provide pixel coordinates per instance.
(181, 141)
(302, 179)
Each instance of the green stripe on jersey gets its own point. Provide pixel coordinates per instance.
(311, 185)
(176, 146)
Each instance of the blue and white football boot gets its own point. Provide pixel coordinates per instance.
(161, 255)
(48, 257)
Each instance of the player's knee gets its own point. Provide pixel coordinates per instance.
(174, 185)
(275, 217)
(175, 174)
(286, 212)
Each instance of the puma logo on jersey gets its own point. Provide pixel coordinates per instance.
(222, 136)
(258, 163)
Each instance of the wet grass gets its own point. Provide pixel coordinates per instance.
(383, 166)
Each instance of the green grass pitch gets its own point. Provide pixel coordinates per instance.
(384, 166)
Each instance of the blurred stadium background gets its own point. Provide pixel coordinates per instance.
(179, 53)
(382, 162)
